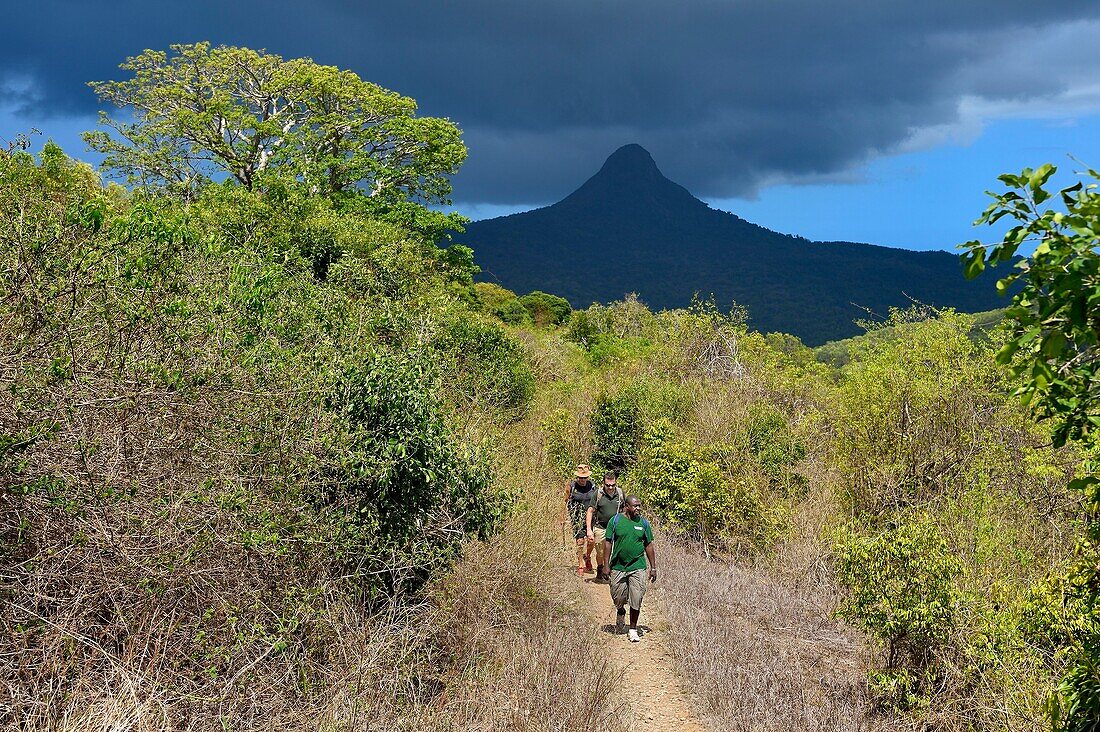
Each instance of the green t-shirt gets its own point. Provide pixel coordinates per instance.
(606, 506)
(630, 539)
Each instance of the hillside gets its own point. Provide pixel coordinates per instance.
(840, 353)
(631, 229)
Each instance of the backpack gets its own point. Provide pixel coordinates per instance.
(578, 496)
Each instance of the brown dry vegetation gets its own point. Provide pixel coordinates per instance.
(94, 630)
(761, 653)
(171, 554)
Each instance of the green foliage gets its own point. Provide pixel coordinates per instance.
(1054, 339)
(407, 489)
(615, 332)
(200, 112)
(501, 303)
(512, 312)
(236, 342)
(1061, 616)
(1052, 349)
(840, 353)
(621, 414)
(1076, 705)
(912, 412)
(790, 346)
(457, 262)
(896, 689)
(559, 440)
(545, 309)
(900, 587)
(490, 367)
(693, 486)
(617, 428)
(775, 449)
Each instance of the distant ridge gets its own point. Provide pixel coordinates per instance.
(628, 228)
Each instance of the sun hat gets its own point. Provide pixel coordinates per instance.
(583, 471)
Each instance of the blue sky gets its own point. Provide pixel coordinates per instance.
(927, 199)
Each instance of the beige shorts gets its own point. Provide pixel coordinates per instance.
(628, 586)
(598, 534)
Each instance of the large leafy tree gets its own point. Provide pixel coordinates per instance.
(199, 112)
(1054, 348)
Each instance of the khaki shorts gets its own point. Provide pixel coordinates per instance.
(628, 586)
(598, 535)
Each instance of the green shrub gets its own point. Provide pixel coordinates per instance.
(771, 443)
(625, 320)
(501, 303)
(582, 329)
(513, 313)
(912, 412)
(900, 589)
(1061, 616)
(896, 689)
(621, 414)
(487, 366)
(405, 489)
(616, 428)
(556, 430)
(545, 309)
(689, 485)
(1076, 705)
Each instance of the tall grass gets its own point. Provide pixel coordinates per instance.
(761, 653)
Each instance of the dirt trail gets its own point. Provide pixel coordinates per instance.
(654, 691)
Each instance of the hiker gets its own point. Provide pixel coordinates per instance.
(607, 504)
(628, 548)
(578, 495)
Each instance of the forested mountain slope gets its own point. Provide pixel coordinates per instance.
(630, 229)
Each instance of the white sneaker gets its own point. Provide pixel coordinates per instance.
(633, 635)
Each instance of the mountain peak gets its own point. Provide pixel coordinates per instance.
(631, 183)
(632, 159)
(628, 228)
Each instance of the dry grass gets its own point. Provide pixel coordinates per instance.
(137, 594)
(761, 653)
(521, 645)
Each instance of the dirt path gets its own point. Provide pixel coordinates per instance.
(654, 690)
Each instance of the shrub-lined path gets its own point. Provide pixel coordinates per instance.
(654, 692)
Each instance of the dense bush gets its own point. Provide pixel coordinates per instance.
(485, 366)
(211, 461)
(912, 414)
(702, 491)
(407, 490)
(502, 303)
(900, 589)
(622, 413)
(545, 309)
(770, 442)
(617, 428)
(613, 333)
(1061, 617)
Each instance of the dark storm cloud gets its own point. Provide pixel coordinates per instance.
(726, 95)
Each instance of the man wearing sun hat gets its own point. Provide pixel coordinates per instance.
(579, 493)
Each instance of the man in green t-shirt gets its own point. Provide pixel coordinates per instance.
(628, 552)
